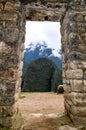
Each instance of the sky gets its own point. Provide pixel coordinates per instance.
(43, 31)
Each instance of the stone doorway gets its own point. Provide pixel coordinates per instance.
(72, 15)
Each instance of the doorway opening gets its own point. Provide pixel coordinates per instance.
(39, 99)
(42, 69)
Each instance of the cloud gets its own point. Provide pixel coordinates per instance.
(43, 31)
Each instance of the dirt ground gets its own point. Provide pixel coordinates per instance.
(42, 111)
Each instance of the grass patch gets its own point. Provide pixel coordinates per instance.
(21, 96)
(38, 92)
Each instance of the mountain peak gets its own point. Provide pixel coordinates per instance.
(41, 49)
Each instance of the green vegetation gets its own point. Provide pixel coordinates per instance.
(42, 75)
(22, 96)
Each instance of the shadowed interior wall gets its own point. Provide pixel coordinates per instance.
(72, 16)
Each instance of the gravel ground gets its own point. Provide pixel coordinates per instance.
(42, 103)
(42, 111)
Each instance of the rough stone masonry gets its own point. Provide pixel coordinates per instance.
(72, 16)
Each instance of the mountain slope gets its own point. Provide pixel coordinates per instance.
(42, 75)
(40, 50)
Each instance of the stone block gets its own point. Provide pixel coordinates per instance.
(77, 99)
(22, 47)
(11, 6)
(8, 63)
(18, 83)
(72, 27)
(21, 66)
(10, 74)
(7, 121)
(63, 74)
(74, 74)
(74, 39)
(1, 24)
(11, 35)
(79, 18)
(78, 121)
(68, 99)
(65, 66)
(2, 47)
(21, 40)
(2, 35)
(67, 88)
(8, 16)
(66, 127)
(85, 83)
(8, 51)
(81, 27)
(81, 64)
(1, 6)
(21, 55)
(19, 74)
(6, 111)
(11, 24)
(67, 105)
(64, 80)
(77, 85)
(78, 111)
(72, 65)
(8, 88)
(7, 101)
(84, 76)
(63, 58)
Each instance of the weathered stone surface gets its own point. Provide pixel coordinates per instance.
(74, 39)
(11, 26)
(1, 6)
(45, 11)
(66, 127)
(78, 121)
(11, 35)
(77, 85)
(74, 74)
(77, 64)
(78, 99)
(21, 66)
(67, 87)
(8, 101)
(8, 16)
(10, 74)
(10, 4)
(7, 88)
(78, 111)
(8, 110)
(7, 121)
(74, 61)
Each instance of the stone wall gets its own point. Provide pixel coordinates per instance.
(72, 15)
(12, 31)
(74, 61)
(46, 10)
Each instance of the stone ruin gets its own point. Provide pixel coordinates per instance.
(72, 16)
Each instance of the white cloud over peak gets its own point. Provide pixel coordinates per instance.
(43, 31)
